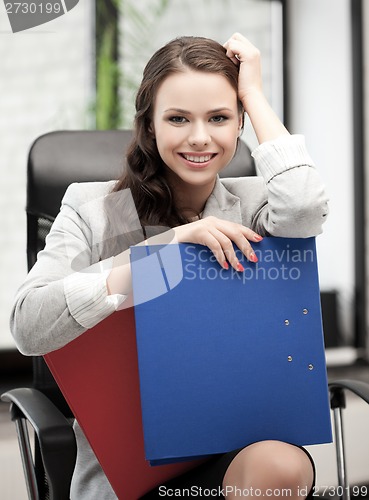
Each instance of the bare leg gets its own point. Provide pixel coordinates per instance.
(266, 467)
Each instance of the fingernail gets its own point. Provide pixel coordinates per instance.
(225, 265)
(240, 267)
(253, 257)
(257, 237)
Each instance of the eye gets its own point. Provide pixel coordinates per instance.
(178, 120)
(218, 118)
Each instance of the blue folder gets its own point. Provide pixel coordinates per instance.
(228, 358)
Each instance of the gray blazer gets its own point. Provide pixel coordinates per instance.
(286, 199)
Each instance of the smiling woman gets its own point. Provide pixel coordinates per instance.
(196, 123)
(189, 114)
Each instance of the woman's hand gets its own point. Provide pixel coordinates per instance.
(265, 122)
(219, 235)
(243, 53)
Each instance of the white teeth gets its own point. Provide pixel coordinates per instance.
(198, 159)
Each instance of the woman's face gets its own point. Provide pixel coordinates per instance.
(196, 124)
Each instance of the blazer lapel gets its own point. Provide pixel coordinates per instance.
(223, 204)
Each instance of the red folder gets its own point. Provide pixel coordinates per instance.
(98, 375)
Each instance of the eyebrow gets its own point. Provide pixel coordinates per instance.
(184, 111)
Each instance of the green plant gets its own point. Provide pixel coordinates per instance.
(107, 108)
(114, 89)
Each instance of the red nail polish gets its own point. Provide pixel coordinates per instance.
(240, 267)
(225, 265)
(257, 237)
(253, 257)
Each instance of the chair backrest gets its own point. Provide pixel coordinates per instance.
(56, 160)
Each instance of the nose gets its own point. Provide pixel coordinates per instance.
(199, 135)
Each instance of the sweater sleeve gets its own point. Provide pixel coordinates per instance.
(58, 302)
(87, 297)
(297, 204)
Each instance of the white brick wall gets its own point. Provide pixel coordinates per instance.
(45, 84)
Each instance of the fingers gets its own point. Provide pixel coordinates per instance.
(232, 52)
(224, 251)
(232, 56)
(240, 49)
(213, 243)
(241, 237)
(221, 237)
(244, 54)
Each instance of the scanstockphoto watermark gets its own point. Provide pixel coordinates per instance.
(282, 264)
(29, 14)
(235, 491)
(199, 491)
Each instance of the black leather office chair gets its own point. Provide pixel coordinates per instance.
(56, 160)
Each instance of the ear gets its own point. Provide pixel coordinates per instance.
(241, 119)
(151, 129)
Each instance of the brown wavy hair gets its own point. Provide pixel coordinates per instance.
(144, 174)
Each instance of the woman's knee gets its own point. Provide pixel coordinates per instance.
(271, 463)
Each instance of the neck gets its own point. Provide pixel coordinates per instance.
(192, 201)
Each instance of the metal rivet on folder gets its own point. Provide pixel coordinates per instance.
(311, 367)
(286, 322)
(305, 311)
(289, 358)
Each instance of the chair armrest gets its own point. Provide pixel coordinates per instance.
(358, 387)
(54, 433)
(48, 422)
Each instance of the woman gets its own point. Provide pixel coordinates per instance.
(190, 108)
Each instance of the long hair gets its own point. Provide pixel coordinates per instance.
(144, 175)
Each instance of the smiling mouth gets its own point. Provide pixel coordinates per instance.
(198, 158)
